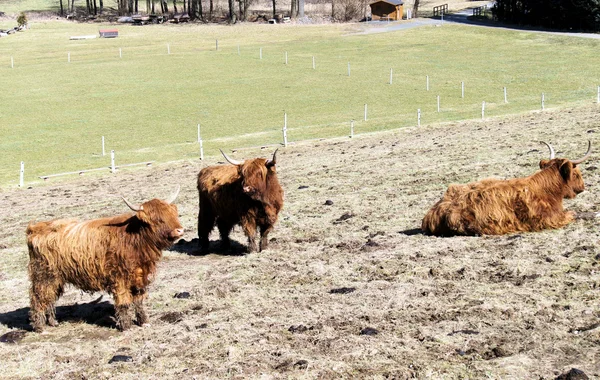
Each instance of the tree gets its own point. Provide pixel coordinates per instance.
(231, 12)
(22, 19)
(557, 14)
(415, 12)
(62, 11)
(294, 9)
(274, 8)
(196, 10)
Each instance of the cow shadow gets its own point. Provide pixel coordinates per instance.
(92, 313)
(412, 232)
(192, 248)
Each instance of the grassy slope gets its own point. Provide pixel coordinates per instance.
(148, 103)
(496, 307)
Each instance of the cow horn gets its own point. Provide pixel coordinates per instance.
(174, 195)
(551, 149)
(272, 161)
(231, 160)
(585, 157)
(132, 206)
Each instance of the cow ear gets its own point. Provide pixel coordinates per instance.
(143, 216)
(565, 170)
(544, 163)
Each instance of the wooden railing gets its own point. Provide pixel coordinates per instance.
(440, 10)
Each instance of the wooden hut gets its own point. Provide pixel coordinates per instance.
(387, 10)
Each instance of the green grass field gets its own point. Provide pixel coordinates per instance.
(147, 103)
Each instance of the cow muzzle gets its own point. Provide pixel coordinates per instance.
(177, 233)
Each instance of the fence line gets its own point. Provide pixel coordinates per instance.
(113, 166)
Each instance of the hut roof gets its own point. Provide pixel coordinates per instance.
(393, 2)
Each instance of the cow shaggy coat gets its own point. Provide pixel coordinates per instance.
(117, 254)
(246, 193)
(496, 207)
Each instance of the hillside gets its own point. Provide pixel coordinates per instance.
(518, 306)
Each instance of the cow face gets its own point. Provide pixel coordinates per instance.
(255, 174)
(161, 216)
(569, 172)
(572, 178)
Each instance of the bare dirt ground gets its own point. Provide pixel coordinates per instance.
(351, 289)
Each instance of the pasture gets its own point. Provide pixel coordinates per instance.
(346, 290)
(148, 103)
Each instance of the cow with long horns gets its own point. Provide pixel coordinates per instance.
(117, 254)
(496, 207)
(246, 193)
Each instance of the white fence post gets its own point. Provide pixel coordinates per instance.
(419, 117)
(199, 138)
(462, 90)
(391, 75)
(365, 112)
(314, 67)
(351, 128)
(482, 110)
(113, 169)
(103, 151)
(285, 141)
(201, 149)
(120, 53)
(543, 101)
(22, 174)
(69, 57)
(216, 45)
(427, 82)
(168, 48)
(438, 103)
(12, 63)
(505, 96)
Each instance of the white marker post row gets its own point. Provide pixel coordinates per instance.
(22, 174)
(285, 140)
(201, 144)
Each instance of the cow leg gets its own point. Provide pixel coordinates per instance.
(224, 230)
(249, 227)
(51, 310)
(43, 294)
(206, 222)
(264, 232)
(123, 300)
(140, 312)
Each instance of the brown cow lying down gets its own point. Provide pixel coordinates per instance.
(246, 193)
(116, 254)
(496, 207)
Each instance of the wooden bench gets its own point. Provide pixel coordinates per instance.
(109, 33)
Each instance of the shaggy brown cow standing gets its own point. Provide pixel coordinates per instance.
(496, 207)
(246, 193)
(117, 254)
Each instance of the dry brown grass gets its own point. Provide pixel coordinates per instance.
(465, 307)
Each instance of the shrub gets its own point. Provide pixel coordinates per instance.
(22, 19)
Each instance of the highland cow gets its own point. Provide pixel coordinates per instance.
(246, 193)
(497, 207)
(116, 254)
